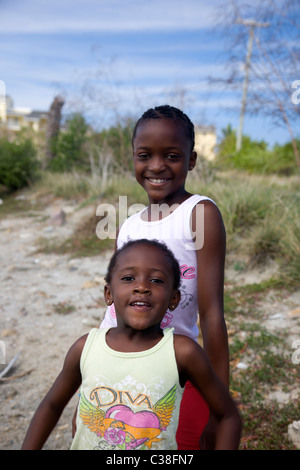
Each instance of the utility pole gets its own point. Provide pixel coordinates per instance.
(252, 24)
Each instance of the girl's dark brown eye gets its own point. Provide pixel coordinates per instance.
(157, 281)
(172, 156)
(127, 278)
(143, 156)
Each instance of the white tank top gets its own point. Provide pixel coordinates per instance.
(175, 231)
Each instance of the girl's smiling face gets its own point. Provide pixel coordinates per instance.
(162, 158)
(142, 287)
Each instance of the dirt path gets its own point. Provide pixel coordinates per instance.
(46, 303)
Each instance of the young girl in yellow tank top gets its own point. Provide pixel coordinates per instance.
(114, 411)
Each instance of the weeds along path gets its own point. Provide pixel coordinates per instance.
(264, 340)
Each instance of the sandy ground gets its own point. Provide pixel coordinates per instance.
(36, 293)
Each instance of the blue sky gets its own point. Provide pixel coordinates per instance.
(112, 58)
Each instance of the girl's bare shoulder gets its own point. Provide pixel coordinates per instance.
(190, 357)
(76, 349)
(186, 348)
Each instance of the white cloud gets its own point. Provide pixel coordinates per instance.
(40, 16)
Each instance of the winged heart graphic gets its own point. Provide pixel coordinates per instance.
(122, 428)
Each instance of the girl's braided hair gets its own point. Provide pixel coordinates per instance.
(168, 112)
(139, 242)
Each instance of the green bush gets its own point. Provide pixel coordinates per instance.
(254, 156)
(69, 147)
(282, 159)
(18, 163)
(118, 139)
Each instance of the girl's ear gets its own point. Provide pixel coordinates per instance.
(108, 295)
(193, 159)
(175, 300)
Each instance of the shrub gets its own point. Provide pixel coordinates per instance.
(254, 156)
(291, 244)
(69, 147)
(263, 243)
(18, 163)
(118, 139)
(282, 159)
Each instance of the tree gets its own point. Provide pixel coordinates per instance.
(53, 127)
(275, 58)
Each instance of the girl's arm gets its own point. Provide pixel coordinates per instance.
(210, 279)
(193, 365)
(52, 406)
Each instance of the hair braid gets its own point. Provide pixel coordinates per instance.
(168, 112)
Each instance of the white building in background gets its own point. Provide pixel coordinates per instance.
(14, 119)
(205, 141)
(2, 101)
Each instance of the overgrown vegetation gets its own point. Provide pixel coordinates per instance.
(69, 149)
(267, 368)
(262, 219)
(78, 148)
(18, 163)
(255, 156)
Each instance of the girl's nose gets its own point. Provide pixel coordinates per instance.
(157, 163)
(142, 287)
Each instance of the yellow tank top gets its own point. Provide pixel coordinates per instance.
(128, 401)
